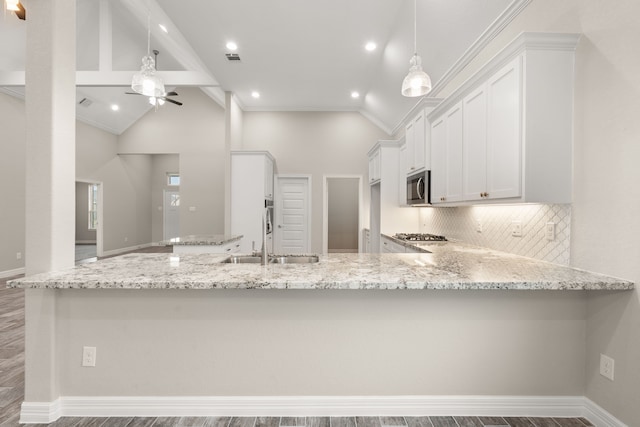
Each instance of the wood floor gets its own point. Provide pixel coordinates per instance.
(12, 393)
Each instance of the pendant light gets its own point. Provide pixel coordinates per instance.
(146, 82)
(12, 5)
(417, 82)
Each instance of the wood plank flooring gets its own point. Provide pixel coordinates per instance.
(12, 393)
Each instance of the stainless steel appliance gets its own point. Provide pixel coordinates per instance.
(420, 237)
(268, 204)
(419, 189)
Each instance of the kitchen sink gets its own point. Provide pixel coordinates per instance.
(294, 259)
(243, 259)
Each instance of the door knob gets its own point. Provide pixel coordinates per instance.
(279, 226)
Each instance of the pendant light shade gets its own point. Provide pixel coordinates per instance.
(146, 81)
(417, 82)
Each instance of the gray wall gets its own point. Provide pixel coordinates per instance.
(195, 131)
(83, 234)
(606, 195)
(342, 214)
(314, 143)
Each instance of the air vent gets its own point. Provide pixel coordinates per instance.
(85, 102)
(232, 56)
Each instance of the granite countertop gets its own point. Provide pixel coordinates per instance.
(202, 240)
(449, 265)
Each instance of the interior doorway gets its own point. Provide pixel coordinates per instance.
(171, 219)
(292, 228)
(88, 230)
(342, 205)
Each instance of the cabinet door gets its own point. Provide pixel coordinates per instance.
(409, 137)
(504, 132)
(268, 179)
(438, 161)
(419, 155)
(374, 167)
(474, 148)
(453, 125)
(402, 178)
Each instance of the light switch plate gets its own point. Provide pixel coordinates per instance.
(606, 366)
(516, 228)
(550, 231)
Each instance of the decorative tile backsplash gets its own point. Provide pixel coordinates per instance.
(496, 222)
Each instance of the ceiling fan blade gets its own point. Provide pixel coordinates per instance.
(172, 101)
(172, 93)
(132, 93)
(22, 13)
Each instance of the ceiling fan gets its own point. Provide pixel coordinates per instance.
(159, 100)
(16, 7)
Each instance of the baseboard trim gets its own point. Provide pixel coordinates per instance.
(11, 273)
(123, 250)
(85, 242)
(152, 406)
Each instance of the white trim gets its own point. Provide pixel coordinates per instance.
(41, 412)
(278, 196)
(11, 273)
(424, 103)
(100, 229)
(155, 406)
(325, 210)
(123, 250)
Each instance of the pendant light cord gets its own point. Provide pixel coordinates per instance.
(415, 27)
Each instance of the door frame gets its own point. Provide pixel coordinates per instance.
(325, 209)
(276, 208)
(99, 228)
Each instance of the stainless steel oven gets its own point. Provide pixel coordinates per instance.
(419, 189)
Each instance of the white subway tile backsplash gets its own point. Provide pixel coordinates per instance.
(496, 222)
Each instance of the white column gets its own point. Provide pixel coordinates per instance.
(50, 154)
(50, 179)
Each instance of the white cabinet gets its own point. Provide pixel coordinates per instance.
(446, 156)
(251, 184)
(417, 154)
(402, 177)
(374, 167)
(506, 134)
(227, 248)
(389, 246)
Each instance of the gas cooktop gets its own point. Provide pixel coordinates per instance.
(420, 237)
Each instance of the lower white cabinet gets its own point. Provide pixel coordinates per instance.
(227, 248)
(389, 246)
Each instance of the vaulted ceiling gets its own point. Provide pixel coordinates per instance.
(300, 55)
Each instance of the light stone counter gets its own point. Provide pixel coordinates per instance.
(202, 240)
(449, 266)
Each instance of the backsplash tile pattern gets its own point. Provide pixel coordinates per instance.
(461, 223)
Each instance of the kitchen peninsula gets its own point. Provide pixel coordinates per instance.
(187, 334)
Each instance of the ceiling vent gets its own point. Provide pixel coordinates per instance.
(232, 56)
(85, 102)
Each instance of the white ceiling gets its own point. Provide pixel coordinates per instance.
(299, 54)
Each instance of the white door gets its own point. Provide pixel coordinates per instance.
(171, 215)
(292, 211)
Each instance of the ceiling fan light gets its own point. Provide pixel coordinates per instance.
(417, 82)
(12, 5)
(146, 81)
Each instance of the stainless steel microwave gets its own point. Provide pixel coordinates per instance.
(419, 189)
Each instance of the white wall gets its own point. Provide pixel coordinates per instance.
(314, 143)
(605, 227)
(195, 131)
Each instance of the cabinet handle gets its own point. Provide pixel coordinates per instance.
(412, 168)
(481, 194)
(228, 249)
(486, 194)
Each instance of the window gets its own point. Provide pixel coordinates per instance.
(173, 179)
(175, 200)
(93, 206)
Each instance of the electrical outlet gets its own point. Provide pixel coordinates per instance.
(89, 356)
(550, 231)
(18, 255)
(606, 366)
(516, 228)
(478, 226)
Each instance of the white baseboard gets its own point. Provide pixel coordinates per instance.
(11, 273)
(85, 242)
(151, 406)
(123, 250)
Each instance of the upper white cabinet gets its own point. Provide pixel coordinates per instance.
(268, 177)
(509, 126)
(374, 166)
(446, 156)
(417, 155)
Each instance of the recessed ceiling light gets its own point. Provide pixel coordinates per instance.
(232, 46)
(115, 107)
(255, 94)
(163, 28)
(355, 95)
(371, 46)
